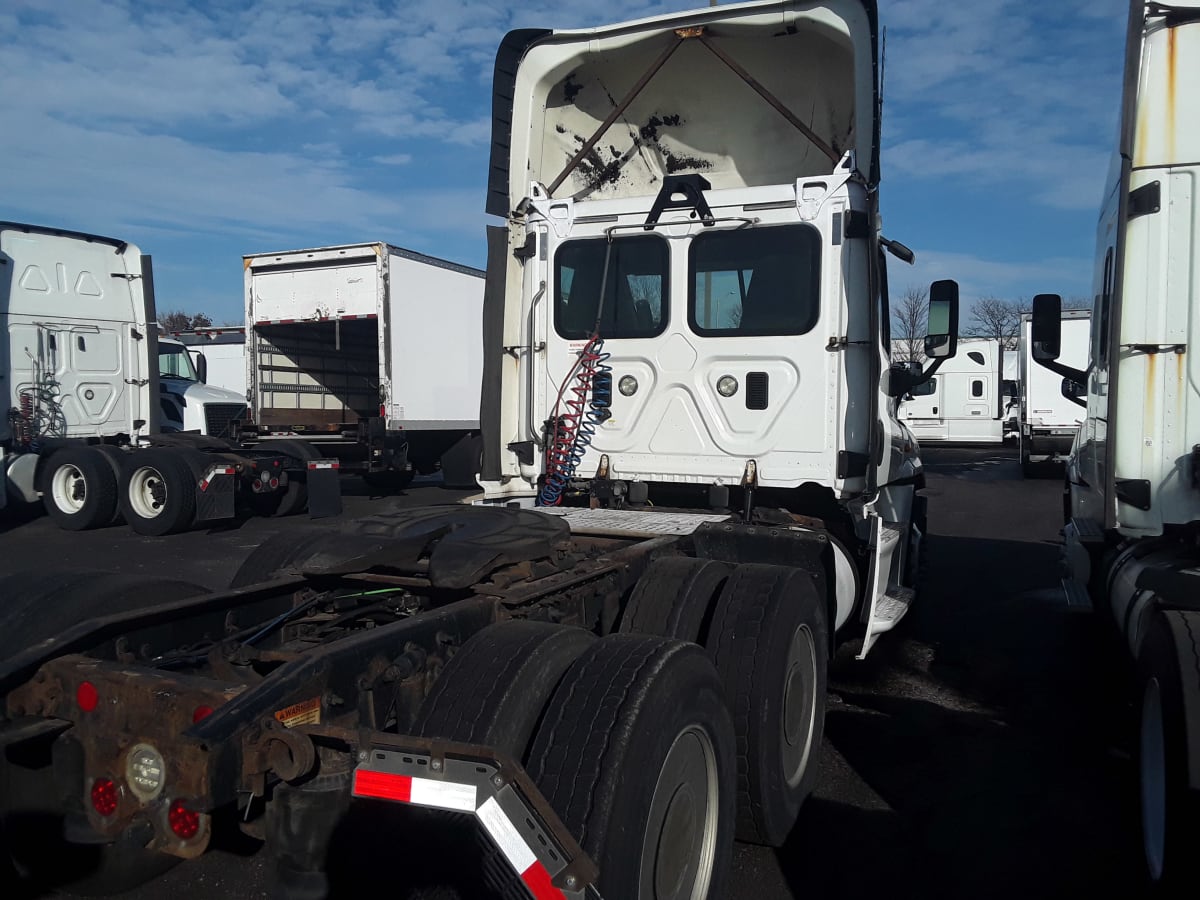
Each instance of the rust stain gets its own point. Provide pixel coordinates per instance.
(1148, 411)
(1172, 58)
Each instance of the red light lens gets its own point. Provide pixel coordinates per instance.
(87, 696)
(201, 712)
(104, 796)
(183, 821)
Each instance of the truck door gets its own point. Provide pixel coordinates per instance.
(923, 410)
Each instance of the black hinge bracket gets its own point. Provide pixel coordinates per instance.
(692, 186)
(1135, 492)
(851, 464)
(1145, 200)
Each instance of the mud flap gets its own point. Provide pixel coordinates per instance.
(324, 488)
(507, 806)
(889, 600)
(215, 493)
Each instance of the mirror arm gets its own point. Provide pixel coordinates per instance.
(901, 384)
(1079, 375)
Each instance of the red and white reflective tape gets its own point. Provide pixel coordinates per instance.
(419, 791)
(213, 473)
(518, 853)
(316, 319)
(323, 464)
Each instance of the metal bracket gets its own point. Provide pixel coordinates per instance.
(466, 778)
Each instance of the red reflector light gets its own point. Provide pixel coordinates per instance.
(104, 796)
(87, 696)
(183, 821)
(201, 712)
(382, 411)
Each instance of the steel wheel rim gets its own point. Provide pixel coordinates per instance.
(799, 720)
(69, 489)
(1152, 779)
(147, 492)
(680, 841)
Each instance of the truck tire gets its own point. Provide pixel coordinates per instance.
(674, 598)
(769, 638)
(294, 498)
(636, 755)
(79, 489)
(494, 690)
(1168, 748)
(158, 492)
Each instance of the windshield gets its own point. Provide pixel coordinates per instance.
(175, 362)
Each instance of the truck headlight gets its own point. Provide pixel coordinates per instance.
(727, 385)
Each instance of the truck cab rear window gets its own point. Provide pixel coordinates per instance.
(755, 281)
(635, 288)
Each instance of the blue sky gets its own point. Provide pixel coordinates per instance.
(204, 132)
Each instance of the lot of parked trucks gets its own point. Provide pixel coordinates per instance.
(695, 471)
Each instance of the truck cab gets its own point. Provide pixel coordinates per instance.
(188, 402)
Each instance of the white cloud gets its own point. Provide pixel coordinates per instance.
(981, 277)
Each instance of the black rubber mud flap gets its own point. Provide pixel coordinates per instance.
(324, 488)
(216, 494)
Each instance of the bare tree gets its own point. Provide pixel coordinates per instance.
(992, 317)
(909, 322)
(178, 320)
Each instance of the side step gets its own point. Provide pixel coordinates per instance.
(1078, 599)
(889, 601)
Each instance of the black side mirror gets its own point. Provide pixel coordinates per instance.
(202, 368)
(941, 335)
(1046, 327)
(1072, 389)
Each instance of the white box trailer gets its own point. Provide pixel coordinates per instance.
(223, 351)
(1049, 420)
(370, 351)
(965, 402)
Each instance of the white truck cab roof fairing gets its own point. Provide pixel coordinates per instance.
(696, 111)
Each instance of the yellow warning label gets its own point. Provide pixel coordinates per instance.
(306, 712)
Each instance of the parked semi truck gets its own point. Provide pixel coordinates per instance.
(188, 401)
(104, 420)
(967, 401)
(1049, 417)
(695, 487)
(370, 352)
(1133, 477)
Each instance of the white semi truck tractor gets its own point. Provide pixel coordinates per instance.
(1133, 477)
(695, 488)
(102, 419)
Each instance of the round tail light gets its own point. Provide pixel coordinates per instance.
(183, 821)
(87, 696)
(104, 796)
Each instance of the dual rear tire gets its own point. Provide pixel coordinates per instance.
(628, 738)
(766, 628)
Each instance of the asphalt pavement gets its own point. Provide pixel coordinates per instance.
(980, 751)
